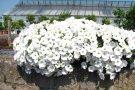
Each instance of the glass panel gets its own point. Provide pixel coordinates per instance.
(88, 11)
(75, 10)
(82, 11)
(96, 11)
(103, 11)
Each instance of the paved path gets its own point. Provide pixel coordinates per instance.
(5, 36)
(7, 51)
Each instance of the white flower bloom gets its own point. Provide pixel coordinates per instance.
(91, 68)
(91, 49)
(84, 65)
(28, 71)
(105, 56)
(37, 70)
(117, 68)
(34, 55)
(69, 35)
(128, 55)
(59, 73)
(124, 63)
(64, 57)
(101, 75)
(44, 41)
(118, 62)
(118, 50)
(97, 53)
(83, 51)
(68, 68)
(112, 75)
(57, 65)
(48, 34)
(98, 63)
(51, 68)
(54, 61)
(30, 48)
(56, 56)
(22, 59)
(41, 64)
(64, 72)
(36, 43)
(80, 39)
(50, 49)
(76, 55)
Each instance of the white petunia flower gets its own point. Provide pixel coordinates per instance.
(101, 75)
(51, 68)
(117, 68)
(59, 73)
(80, 39)
(64, 71)
(118, 50)
(83, 51)
(97, 53)
(41, 64)
(91, 68)
(84, 65)
(112, 75)
(118, 62)
(76, 55)
(68, 68)
(34, 55)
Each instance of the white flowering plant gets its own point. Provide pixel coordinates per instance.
(52, 48)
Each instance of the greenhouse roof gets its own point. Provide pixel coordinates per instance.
(100, 8)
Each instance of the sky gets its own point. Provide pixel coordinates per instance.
(6, 5)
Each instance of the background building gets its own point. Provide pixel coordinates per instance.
(50, 8)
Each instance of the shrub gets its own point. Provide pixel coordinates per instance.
(52, 48)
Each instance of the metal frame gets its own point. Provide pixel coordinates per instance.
(46, 7)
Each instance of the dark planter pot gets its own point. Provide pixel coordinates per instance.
(18, 31)
(1, 32)
(5, 32)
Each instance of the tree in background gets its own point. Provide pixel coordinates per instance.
(30, 18)
(106, 20)
(18, 24)
(42, 18)
(129, 22)
(6, 18)
(1, 27)
(91, 17)
(119, 15)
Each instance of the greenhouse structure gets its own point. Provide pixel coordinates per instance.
(53, 8)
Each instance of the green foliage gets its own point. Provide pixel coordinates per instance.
(42, 18)
(18, 24)
(100, 41)
(125, 19)
(106, 21)
(78, 17)
(91, 17)
(1, 27)
(52, 19)
(30, 18)
(21, 23)
(6, 18)
(63, 16)
(130, 18)
(120, 15)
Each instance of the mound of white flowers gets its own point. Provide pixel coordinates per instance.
(51, 48)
